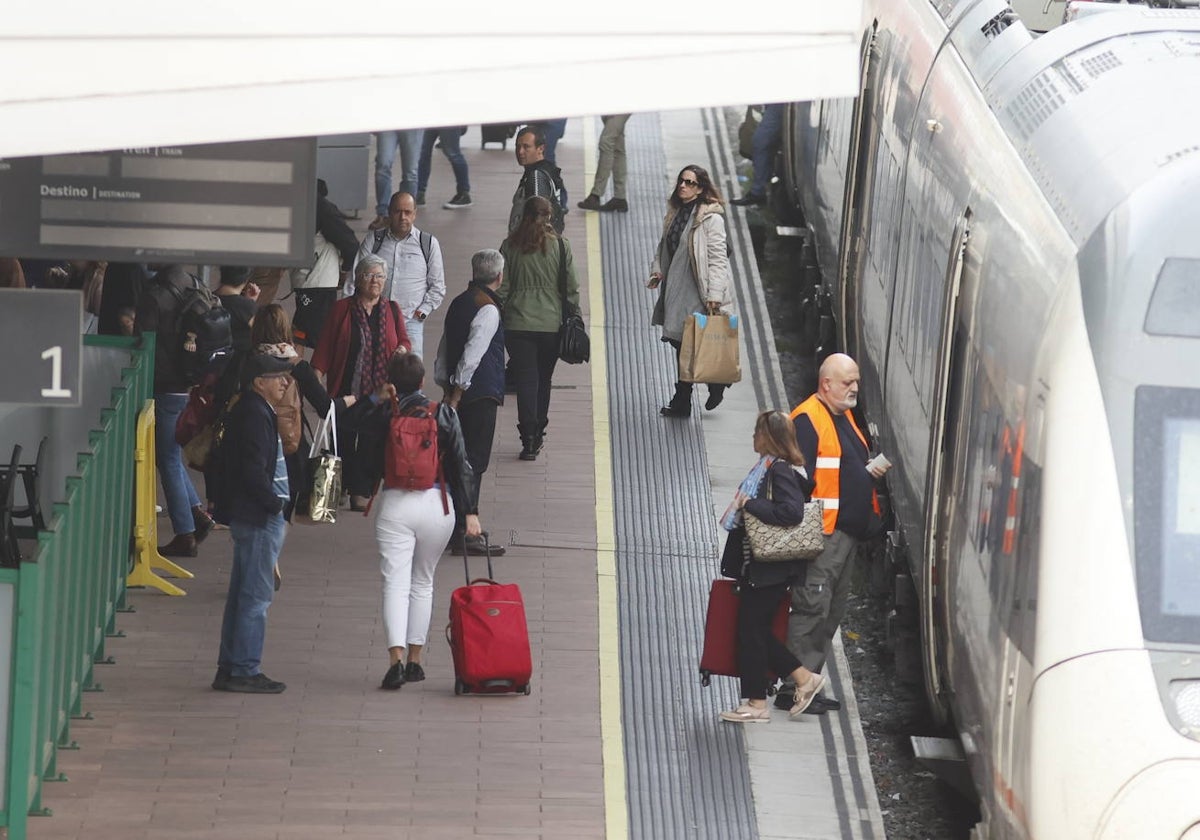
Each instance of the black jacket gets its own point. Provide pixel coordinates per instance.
(370, 421)
(248, 454)
(788, 491)
(158, 312)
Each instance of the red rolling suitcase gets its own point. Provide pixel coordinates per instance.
(488, 636)
(720, 630)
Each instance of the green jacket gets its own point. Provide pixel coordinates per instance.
(530, 287)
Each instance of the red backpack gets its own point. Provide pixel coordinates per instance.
(411, 457)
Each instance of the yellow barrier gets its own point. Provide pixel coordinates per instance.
(145, 518)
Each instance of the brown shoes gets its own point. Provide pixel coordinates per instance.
(184, 545)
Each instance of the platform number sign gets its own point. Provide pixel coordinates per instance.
(41, 331)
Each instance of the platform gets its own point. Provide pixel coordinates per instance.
(612, 536)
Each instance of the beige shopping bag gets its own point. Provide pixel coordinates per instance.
(709, 352)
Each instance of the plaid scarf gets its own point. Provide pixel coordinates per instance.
(370, 369)
(748, 489)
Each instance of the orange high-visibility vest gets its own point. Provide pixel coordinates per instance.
(827, 471)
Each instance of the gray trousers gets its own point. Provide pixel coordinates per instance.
(612, 156)
(819, 605)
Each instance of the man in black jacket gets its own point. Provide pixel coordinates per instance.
(541, 177)
(254, 490)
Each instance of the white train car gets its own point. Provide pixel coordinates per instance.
(1008, 230)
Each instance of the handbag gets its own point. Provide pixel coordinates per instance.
(709, 350)
(781, 543)
(746, 133)
(574, 346)
(326, 471)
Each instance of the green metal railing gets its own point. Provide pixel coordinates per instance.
(66, 596)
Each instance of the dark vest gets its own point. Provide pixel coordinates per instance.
(488, 381)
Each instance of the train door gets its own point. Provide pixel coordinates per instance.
(856, 201)
(948, 451)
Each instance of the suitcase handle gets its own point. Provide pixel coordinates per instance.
(488, 581)
(487, 546)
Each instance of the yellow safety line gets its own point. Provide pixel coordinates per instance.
(612, 737)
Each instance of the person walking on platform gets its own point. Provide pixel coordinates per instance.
(539, 263)
(775, 491)
(470, 369)
(541, 177)
(449, 138)
(413, 526)
(159, 310)
(251, 500)
(767, 137)
(359, 337)
(691, 272)
(611, 161)
(831, 440)
(408, 142)
(415, 277)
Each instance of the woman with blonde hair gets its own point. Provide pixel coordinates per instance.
(774, 491)
(535, 257)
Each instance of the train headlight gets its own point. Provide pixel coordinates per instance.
(1186, 696)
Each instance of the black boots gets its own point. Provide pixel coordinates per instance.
(716, 393)
(680, 404)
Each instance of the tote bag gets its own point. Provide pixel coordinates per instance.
(326, 471)
(709, 351)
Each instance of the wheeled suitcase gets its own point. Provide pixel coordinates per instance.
(720, 630)
(496, 133)
(488, 636)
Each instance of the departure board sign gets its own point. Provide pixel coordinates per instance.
(251, 203)
(43, 341)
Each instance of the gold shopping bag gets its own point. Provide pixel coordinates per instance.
(326, 471)
(709, 351)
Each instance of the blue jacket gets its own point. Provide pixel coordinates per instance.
(488, 380)
(248, 455)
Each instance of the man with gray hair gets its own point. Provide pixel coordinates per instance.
(470, 369)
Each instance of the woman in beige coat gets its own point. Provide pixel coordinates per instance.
(691, 272)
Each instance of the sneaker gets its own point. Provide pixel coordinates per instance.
(380, 223)
(421, 199)
(257, 684)
(394, 678)
(592, 202)
(460, 200)
(805, 694)
(749, 200)
(413, 672)
(618, 205)
(746, 713)
(477, 547)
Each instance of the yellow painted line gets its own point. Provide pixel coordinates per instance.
(612, 737)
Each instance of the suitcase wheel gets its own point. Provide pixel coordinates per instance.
(525, 689)
(460, 687)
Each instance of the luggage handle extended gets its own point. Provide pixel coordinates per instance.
(487, 547)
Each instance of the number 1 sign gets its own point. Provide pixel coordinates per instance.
(41, 332)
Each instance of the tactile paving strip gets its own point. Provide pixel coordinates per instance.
(686, 773)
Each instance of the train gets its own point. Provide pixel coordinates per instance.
(1007, 228)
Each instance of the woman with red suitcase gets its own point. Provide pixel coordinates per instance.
(774, 491)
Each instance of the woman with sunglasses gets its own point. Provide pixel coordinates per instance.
(691, 272)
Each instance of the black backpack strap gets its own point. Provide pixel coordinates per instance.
(426, 246)
(379, 235)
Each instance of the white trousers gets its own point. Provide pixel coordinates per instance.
(412, 531)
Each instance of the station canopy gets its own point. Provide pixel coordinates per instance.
(83, 76)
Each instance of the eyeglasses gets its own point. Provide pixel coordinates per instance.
(688, 182)
(376, 276)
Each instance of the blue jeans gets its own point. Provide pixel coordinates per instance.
(386, 144)
(416, 335)
(177, 485)
(765, 143)
(554, 131)
(450, 148)
(251, 587)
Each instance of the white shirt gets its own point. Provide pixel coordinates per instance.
(412, 283)
(479, 339)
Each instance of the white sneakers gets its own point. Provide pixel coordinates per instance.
(746, 713)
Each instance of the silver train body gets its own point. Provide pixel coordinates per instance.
(1009, 228)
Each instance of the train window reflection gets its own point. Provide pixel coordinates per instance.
(1175, 305)
(1166, 507)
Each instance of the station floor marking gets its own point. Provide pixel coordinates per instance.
(612, 736)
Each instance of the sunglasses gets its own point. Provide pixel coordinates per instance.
(689, 182)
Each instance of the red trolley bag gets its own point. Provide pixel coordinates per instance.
(720, 630)
(488, 635)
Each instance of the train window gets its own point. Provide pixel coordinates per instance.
(1175, 304)
(1167, 512)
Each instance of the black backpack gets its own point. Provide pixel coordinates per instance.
(203, 330)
